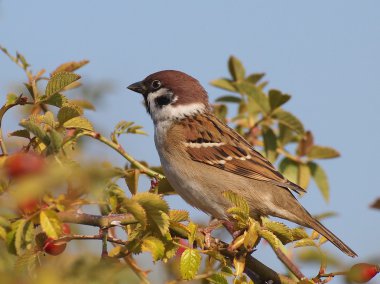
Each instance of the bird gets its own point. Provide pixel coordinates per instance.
(202, 157)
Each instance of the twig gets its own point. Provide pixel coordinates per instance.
(289, 264)
(90, 237)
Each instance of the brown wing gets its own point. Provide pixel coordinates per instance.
(211, 142)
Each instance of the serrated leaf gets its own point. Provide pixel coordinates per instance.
(283, 232)
(132, 180)
(320, 179)
(217, 278)
(190, 263)
(10, 240)
(27, 262)
(20, 133)
(59, 81)
(178, 215)
(236, 68)
(270, 144)
(192, 228)
(56, 140)
(289, 169)
(154, 246)
(239, 264)
(305, 243)
(237, 201)
(79, 122)
(133, 207)
(271, 238)
(288, 119)
(252, 236)
(56, 99)
(70, 66)
(228, 99)
(19, 237)
(50, 223)
(319, 152)
(68, 112)
(224, 84)
(36, 130)
(303, 175)
(277, 99)
(299, 233)
(156, 211)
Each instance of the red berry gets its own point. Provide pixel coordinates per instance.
(21, 164)
(66, 230)
(362, 272)
(54, 248)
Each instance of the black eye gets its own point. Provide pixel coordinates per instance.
(156, 84)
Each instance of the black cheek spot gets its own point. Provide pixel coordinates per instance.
(163, 100)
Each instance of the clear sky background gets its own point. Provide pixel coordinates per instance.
(325, 54)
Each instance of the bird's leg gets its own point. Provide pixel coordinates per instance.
(214, 224)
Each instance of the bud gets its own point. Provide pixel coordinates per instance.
(362, 272)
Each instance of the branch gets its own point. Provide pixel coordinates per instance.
(118, 148)
(96, 220)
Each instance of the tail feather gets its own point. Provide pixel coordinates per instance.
(317, 226)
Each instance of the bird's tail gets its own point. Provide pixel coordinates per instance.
(317, 226)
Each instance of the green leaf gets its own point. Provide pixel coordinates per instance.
(270, 144)
(70, 66)
(256, 94)
(56, 141)
(299, 233)
(67, 112)
(217, 278)
(59, 81)
(154, 246)
(320, 179)
(255, 78)
(11, 99)
(3, 233)
(283, 232)
(190, 263)
(79, 122)
(4, 222)
(50, 223)
(277, 99)
(228, 99)
(156, 211)
(20, 236)
(178, 215)
(133, 207)
(192, 228)
(288, 119)
(319, 152)
(132, 180)
(20, 133)
(305, 243)
(224, 84)
(36, 130)
(83, 104)
(289, 169)
(56, 99)
(237, 200)
(286, 135)
(236, 68)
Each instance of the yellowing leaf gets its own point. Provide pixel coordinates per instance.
(79, 122)
(178, 215)
(217, 278)
(237, 201)
(303, 175)
(133, 207)
(50, 223)
(319, 152)
(189, 264)
(320, 179)
(305, 243)
(239, 264)
(236, 68)
(289, 169)
(27, 262)
(59, 81)
(299, 233)
(67, 112)
(154, 246)
(132, 180)
(279, 229)
(271, 238)
(70, 66)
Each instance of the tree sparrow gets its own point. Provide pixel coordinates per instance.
(202, 157)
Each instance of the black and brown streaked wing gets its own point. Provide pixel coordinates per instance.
(211, 142)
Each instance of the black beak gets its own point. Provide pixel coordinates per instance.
(137, 87)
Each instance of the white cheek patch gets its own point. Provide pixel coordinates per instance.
(171, 112)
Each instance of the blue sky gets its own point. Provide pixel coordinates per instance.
(325, 54)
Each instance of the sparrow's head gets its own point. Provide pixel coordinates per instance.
(171, 94)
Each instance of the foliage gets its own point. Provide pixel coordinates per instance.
(37, 202)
